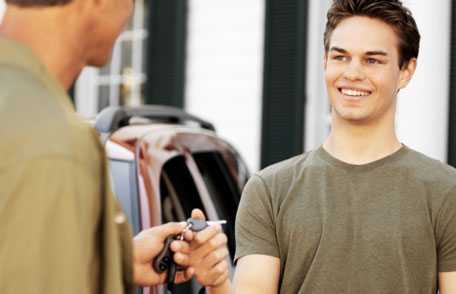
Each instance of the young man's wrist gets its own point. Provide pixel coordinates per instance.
(222, 288)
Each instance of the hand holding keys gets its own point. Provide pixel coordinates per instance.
(164, 261)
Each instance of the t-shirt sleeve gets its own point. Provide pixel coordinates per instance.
(446, 234)
(255, 221)
(49, 217)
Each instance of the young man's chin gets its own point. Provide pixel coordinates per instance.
(353, 117)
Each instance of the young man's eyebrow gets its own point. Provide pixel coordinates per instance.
(368, 53)
(378, 52)
(337, 49)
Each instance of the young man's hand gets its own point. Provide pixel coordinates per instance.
(146, 246)
(206, 254)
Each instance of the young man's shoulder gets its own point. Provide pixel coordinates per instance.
(429, 170)
(285, 172)
(288, 165)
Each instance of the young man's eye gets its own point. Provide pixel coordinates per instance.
(372, 61)
(339, 57)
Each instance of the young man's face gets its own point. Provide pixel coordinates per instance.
(362, 70)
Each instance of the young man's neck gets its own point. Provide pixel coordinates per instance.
(361, 143)
(39, 30)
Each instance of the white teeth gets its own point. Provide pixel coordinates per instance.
(356, 93)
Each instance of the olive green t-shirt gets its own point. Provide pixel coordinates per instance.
(61, 230)
(385, 227)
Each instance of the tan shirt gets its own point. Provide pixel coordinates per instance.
(385, 227)
(61, 229)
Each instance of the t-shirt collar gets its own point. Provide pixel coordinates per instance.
(327, 157)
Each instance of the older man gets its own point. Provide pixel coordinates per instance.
(61, 229)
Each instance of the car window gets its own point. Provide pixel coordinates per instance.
(125, 186)
(223, 189)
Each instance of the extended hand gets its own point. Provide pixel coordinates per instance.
(146, 246)
(206, 254)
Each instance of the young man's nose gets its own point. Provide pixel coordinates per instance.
(354, 71)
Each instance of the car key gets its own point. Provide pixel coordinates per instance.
(164, 259)
(197, 225)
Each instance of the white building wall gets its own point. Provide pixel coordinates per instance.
(224, 70)
(317, 124)
(2, 9)
(422, 121)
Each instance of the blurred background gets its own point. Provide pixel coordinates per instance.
(254, 69)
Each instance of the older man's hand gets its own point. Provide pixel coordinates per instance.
(146, 246)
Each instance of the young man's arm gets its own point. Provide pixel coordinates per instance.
(257, 248)
(446, 244)
(257, 274)
(447, 283)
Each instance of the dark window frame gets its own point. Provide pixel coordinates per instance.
(166, 53)
(284, 83)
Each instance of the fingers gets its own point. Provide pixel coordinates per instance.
(207, 234)
(180, 246)
(184, 276)
(182, 250)
(182, 259)
(168, 229)
(213, 276)
(198, 214)
(221, 279)
(144, 275)
(219, 240)
(216, 256)
(222, 271)
(189, 235)
(160, 233)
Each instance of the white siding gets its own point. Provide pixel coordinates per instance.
(422, 120)
(224, 69)
(2, 9)
(317, 104)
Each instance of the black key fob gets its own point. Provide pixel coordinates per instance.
(171, 276)
(165, 258)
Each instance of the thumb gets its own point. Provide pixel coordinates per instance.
(168, 229)
(198, 214)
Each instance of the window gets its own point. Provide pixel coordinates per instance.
(222, 188)
(125, 188)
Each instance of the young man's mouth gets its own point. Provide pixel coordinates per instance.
(354, 93)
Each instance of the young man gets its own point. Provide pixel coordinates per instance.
(363, 213)
(61, 228)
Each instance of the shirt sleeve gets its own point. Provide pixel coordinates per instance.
(255, 221)
(49, 218)
(446, 234)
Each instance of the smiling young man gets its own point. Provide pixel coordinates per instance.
(363, 213)
(61, 229)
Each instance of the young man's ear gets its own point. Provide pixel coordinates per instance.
(325, 60)
(407, 72)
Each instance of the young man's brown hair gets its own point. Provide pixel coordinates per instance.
(391, 12)
(37, 2)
